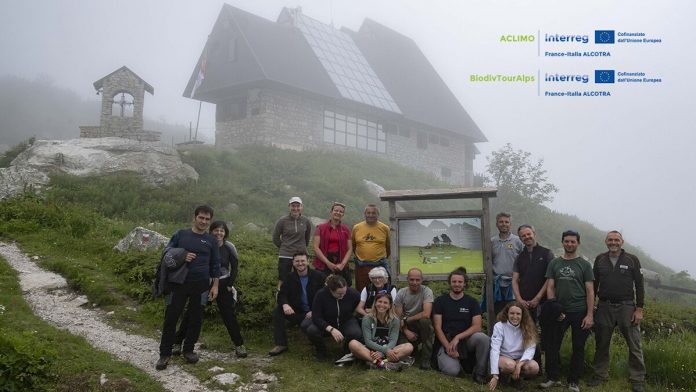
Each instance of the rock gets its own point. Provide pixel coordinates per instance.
(232, 208)
(226, 378)
(215, 369)
(141, 239)
(316, 221)
(102, 379)
(156, 164)
(15, 180)
(261, 377)
(374, 188)
(252, 227)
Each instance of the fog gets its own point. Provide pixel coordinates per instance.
(621, 162)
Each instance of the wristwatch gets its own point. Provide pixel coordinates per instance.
(495, 376)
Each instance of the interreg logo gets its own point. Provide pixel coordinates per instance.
(604, 36)
(554, 78)
(604, 76)
(566, 38)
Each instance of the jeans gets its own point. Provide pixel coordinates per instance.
(554, 334)
(350, 330)
(193, 293)
(226, 306)
(479, 343)
(280, 337)
(607, 317)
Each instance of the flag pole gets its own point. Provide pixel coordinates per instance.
(200, 103)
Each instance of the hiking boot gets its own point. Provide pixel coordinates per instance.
(191, 357)
(550, 384)
(277, 350)
(595, 382)
(480, 379)
(574, 387)
(162, 362)
(176, 349)
(241, 352)
(637, 388)
(394, 366)
(320, 356)
(517, 384)
(408, 361)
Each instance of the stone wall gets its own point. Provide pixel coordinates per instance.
(141, 135)
(289, 121)
(122, 81)
(274, 118)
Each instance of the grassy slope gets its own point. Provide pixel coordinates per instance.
(75, 365)
(74, 226)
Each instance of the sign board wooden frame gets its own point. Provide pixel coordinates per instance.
(392, 197)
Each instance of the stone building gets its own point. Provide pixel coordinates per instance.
(302, 84)
(123, 98)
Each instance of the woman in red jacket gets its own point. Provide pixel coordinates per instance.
(332, 245)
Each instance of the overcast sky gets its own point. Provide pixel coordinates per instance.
(622, 162)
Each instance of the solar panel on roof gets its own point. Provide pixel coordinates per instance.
(345, 64)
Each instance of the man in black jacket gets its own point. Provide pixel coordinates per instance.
(529, 276)
(294, 300)
(619, 286)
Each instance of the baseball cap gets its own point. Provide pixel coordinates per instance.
(295, 199)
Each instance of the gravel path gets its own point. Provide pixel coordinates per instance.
(52, 300)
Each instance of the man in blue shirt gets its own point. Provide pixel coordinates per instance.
(203, 266)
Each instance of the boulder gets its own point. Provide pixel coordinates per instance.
(141, 239)
(156, 164)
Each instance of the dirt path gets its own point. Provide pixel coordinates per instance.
(52, 300)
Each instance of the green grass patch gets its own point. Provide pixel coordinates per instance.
(36, 356)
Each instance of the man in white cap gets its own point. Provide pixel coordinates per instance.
(291, 235)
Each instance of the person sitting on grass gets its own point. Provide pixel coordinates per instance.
(378, 285)
(513, 344)
(333, 314)
(380, 329)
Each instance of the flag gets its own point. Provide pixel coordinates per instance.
(604, 76)
(604, 36)
(201, 72)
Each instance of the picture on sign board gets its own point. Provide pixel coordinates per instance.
(439, 245)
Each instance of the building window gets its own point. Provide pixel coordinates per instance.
(444, 141)
(422, 141)
(352, 131)
(445, 172)
(434, 139)
(235, 109)
(122, 105)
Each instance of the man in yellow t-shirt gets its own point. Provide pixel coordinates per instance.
(371, 245)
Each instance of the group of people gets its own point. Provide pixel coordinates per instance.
(383, 327)
(567, 292)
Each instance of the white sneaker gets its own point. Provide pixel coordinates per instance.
(346, 358)
(550, 384)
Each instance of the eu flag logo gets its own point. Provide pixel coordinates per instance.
(604, 76)
(604, 36)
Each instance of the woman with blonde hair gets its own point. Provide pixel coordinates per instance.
(380, 329)
(513, 344)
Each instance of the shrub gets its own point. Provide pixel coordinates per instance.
(24, 362)
(11, 154)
